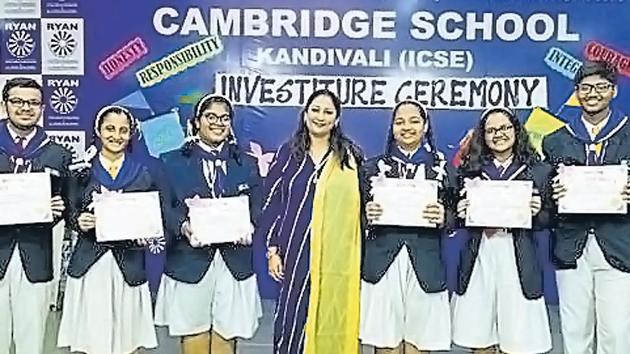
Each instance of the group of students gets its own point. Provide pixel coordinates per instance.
(345, 279)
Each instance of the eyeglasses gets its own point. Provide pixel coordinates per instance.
(214, 119)
(601, 87)
(502, 129)
(18, 102)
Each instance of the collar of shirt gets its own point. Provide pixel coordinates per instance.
(407, 153)
(27, 138)
(209, 148)
(505, 164)
(111, 165)
(594, 129)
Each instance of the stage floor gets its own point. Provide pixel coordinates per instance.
(261, 343)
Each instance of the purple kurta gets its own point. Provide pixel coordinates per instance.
(290, 190)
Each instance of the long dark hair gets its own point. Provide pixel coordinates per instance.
(427, 138)
(480, 154)
(201, 105)
(341, 145)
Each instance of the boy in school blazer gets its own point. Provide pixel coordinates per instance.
(26, 250)
(592, 252)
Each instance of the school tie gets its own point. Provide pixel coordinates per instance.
(410, 170)
(21, 166)
(19, 144)
(217, 169)
(491, 232)
(598, 147)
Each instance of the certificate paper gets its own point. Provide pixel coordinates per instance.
(593, 189)
(219, 220)
(25, 198)
(499, 204)
(127, 216)
(404, 200)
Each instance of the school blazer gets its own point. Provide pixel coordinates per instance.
(188, 264)
(383, 243)
(530, 270)
(129, 257)
(35, 240)
(570, 232)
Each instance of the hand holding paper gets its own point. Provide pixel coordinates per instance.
(593, 189)
(536, 205)
(405, 202)
(626, 193)
(434, 212)
(127, 216)
(25, 198)
(86, 222)
(57, 206)
(219, 220)
(373, 211)
(504, 204)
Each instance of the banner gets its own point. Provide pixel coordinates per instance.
(457, 57)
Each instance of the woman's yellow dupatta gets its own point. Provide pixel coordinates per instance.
(332, 325)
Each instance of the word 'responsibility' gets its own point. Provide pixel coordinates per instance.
(179, 61)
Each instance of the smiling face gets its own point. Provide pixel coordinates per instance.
(408, 126)
(499, 133)
(24, 107)
(214, 123)
(321, 116)
(115, 132)
(594, 93)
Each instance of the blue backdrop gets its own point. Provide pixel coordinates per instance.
(158, 57)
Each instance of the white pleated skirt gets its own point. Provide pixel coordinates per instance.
(102, 314)
(493, 310)
(396, 309)
(219, 302)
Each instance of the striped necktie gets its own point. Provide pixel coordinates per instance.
(19, 144)
(598, 147)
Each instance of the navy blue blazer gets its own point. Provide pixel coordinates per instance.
(530, 271)
(35, 240)
(185, 175)
(570, 232)
(383, 243)
(128, 255)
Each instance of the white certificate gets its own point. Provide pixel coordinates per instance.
(219, 220)
(593, 189)
(127, 216)
(505, 204)
(25, 198)
(404, 200)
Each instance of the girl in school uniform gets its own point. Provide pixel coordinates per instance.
(404, 301)
(209, 294)
(107, 306)
(499, 297)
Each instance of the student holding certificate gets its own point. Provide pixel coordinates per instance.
(107, 305)
(312, 221)
(209, 294)
(404, 301)
(592, 251)
(26, 268)
(499, 296)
